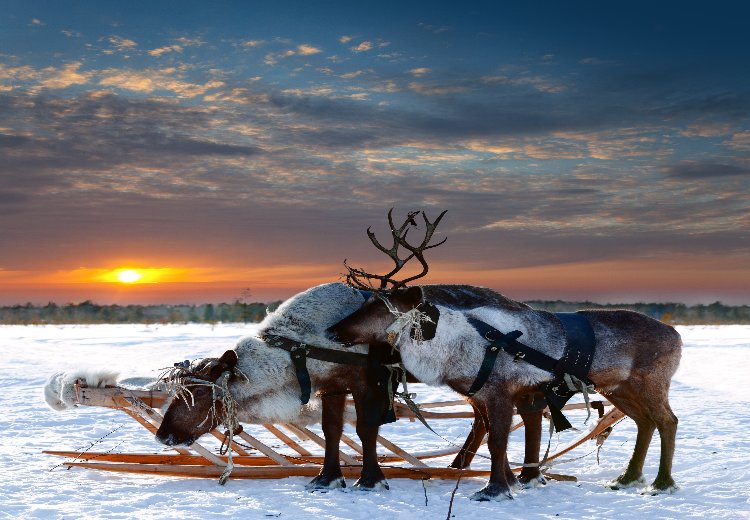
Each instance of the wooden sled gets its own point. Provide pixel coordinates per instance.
(200, 461)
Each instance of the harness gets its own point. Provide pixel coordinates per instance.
(570, 371)
(383, 372)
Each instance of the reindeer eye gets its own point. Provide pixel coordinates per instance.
(200, 391)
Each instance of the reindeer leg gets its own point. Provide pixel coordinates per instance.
(372, 477)
(500, 414)
(666, 422)
(633, 474)
(473, 441)
(330, 476)
(532, 424)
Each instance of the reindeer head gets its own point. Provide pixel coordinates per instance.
(198, 404)
(389, 312)
(382, 319)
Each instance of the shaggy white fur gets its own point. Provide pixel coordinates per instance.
(59, 391)
(306, 316)
(271, 392)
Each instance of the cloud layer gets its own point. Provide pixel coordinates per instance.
(264, 149)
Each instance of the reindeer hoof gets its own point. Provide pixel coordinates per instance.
(625, 481)
(324, 483)
(531, 482)
(661, 486)
(492, 492)
(363, 485)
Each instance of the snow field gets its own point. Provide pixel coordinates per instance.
(709, 396)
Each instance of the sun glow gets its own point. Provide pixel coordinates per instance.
(128, 276)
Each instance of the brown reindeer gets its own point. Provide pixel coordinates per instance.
(635, 359)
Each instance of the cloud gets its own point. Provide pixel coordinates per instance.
(703, 170)
(706, 130)
(35, 22)
(345, 39)
(64, 77)
(437, 90)
(362, 47)
(252, 43)
(189, 42)
(542, 84)
(420, 71)
(122, 44)
(435, 29)
(163, 50)
(353, 74)
(151, 80)
(739, 141)
(306, 49)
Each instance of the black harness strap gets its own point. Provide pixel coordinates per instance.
(580, 343)
(322, 354)
(299, 352)
(577, 357)
(497, 342)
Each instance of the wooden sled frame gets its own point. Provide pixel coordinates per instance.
(199, 461)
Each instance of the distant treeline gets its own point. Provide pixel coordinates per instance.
(90, 313)
(240, 312)
(673, 313)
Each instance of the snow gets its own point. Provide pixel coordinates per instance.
(712, 461)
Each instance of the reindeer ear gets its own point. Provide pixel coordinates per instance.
(429, 328)
(229, 358)
(411, 297)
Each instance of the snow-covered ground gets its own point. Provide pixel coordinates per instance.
(709, 395)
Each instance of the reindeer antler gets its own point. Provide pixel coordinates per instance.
(361, 279)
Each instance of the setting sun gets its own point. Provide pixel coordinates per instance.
(129, 276)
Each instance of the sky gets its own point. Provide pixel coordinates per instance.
(223, 150)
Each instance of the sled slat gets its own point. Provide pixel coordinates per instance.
(265, 450)
(273, 472)
(191, 459)
(345, 458)
(165, 458)
(400, 452)
(283, 437)
(352, 444)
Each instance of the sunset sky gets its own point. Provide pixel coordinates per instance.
(583, 150)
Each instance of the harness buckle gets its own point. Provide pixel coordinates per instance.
(295, 351)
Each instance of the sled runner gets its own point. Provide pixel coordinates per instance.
(253, 458)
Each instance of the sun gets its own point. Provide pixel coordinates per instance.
(129, 276)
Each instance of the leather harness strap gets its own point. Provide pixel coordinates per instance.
(299, 352)
(576, 361)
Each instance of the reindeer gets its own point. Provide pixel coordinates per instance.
(258, 381)
(634, 361)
